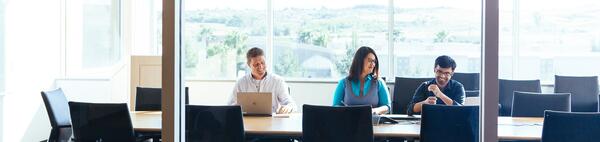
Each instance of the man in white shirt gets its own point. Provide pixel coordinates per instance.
(261, 81)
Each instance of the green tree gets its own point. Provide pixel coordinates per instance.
(235, 21)
(221, 50)
(234, 41)
(305, 37)
(206, 35)
(317, 38)
(441, 36)
(288, 65)
(321, 39)
(397, 35)
(191, 57)
(343, 62)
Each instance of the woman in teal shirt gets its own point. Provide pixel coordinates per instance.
(363, 86)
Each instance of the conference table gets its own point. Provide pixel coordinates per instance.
(290, 125)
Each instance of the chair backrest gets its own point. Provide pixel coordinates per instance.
(469, 80)
(101, 122)
(404, 89)
(441, 123)
(214, 124)
(584, 91)
(62, 134)
(336, 124)
(571, 127)
(187, 95)
(149, 99)
(58, 108)
(527, 104)
(508, 87)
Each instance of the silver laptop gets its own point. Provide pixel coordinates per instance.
(255, 103)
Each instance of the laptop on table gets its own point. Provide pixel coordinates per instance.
(255, 103)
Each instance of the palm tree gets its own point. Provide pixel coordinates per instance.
(441, 36)
(305, 37)
(288, 65)
(206, 35)
(321, 40)
(236, 41)
(344, 61)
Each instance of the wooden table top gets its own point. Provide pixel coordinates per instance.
(146, 121)
(509, 128)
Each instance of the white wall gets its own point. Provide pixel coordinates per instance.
(119, 84)
(32, 53)
(85, 90)
(217, 92)
(36, 125)
(307, 92)
(1, 115)
(112, 90)
(2, 79)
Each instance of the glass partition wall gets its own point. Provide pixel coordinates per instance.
(548, 49)
(314, 41)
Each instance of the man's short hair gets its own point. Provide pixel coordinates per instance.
(445, 62)
(254, 52)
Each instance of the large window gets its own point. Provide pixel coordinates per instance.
(315, 39)
(2, 49)
(92, 36)
(216, 36)
(145, 26)
(557, 38)
(424, 30)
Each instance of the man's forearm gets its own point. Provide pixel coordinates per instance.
(417, 107)
(447, 100)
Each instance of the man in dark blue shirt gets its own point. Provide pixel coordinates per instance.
(441, 89)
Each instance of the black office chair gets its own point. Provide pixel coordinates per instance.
(93, 122)
(571, 127)
(584, 91)
(526, 104)
(57, 107)
(149, 99)
(469, 80)
(214, 124)
(336, 124)
(441, 123)
(508, 87)
(404, 89)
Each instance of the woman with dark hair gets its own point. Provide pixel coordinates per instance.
(363, 86)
